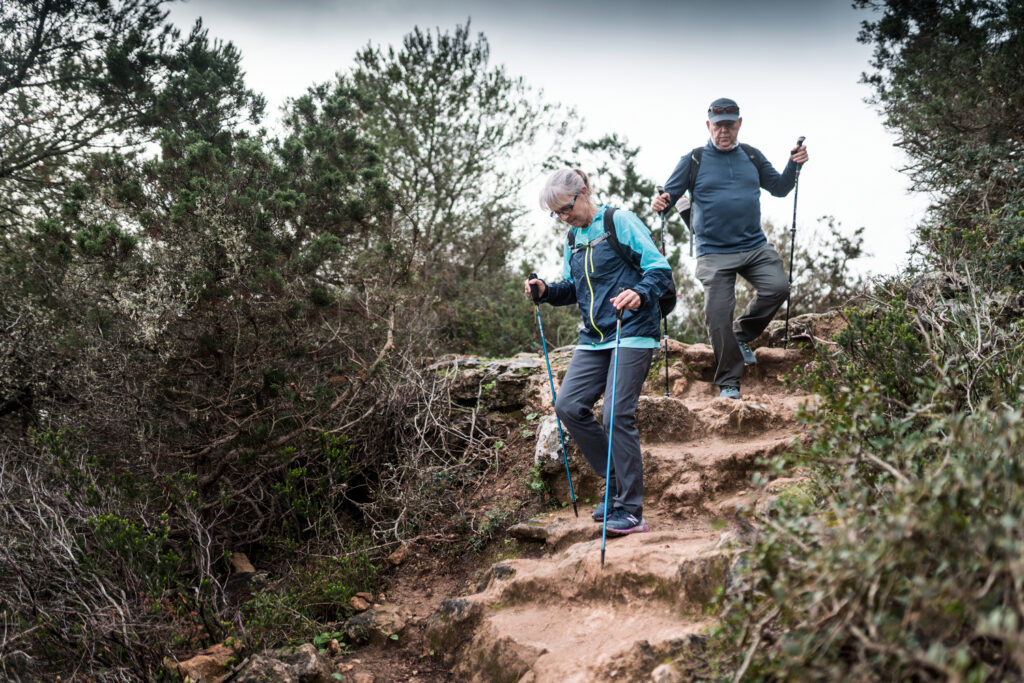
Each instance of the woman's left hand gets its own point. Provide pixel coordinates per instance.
(627, 300)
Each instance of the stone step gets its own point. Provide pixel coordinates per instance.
(683, 478)
(677, 569)
(585, 643)
(565, 617)
(682, 475)
(662, 418)
(692, 368)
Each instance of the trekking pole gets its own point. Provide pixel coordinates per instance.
(664, 318)
(611, 425)
(792, 244)
(565, 458)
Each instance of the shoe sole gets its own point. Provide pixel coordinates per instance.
(640, 528)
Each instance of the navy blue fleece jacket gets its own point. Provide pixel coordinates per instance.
(594, 273)
(726, 200)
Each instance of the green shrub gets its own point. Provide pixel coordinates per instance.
(906, 559)
(316, 596)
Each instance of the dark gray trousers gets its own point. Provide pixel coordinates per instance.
(589, 376)
(763, 269)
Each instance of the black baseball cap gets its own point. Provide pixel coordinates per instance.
(723, 109)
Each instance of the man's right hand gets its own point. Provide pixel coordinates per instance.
(660, 202)
(541, 288)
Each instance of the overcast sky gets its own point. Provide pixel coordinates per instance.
(644, 69)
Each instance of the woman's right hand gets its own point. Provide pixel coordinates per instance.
(541, 288)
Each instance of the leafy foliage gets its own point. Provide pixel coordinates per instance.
(901, 558)
(457, 139)
(948, 79)
(198, 308)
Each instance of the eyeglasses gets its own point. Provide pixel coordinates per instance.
(565, 210)
(731, 109)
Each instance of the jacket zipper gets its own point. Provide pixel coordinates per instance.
(589, 254)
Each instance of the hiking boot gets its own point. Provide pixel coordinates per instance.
(730, 392)
(598, 514)
(748, 353)
(622, 522)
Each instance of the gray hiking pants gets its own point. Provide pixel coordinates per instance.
(589, 376)
(763, 269)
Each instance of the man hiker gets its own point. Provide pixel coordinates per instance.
(726, 225)
(597, 276)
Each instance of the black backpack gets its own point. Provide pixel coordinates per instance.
(667, 301)
(695, 157)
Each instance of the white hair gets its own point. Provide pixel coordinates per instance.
(561, 186)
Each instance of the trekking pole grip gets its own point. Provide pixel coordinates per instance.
(661, 190)
(534, 289)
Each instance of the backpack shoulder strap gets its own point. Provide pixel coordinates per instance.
(752, 155)
(695, 157)
(570, 239)
(613, 240)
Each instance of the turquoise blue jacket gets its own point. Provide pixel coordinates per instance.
(594, 273)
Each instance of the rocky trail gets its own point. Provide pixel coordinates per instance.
(543, 609)
(560, 616)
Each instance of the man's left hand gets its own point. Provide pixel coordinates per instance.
(627, 300)
(799, 155)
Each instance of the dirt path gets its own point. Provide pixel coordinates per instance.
(561, 617)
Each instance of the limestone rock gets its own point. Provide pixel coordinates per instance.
(666, 673)
(450, 625)
(240, 563)
(675, 348)
(302, 664)
(263, 669)
(549, 446)
(663, 418)
(398, 557)
(377, 624)
(208, 666)
(700, 360)
(358, 604)
(498, 659)
(306, 663)
(453, 361)
(810, 327)
(554, 529)
(497, 572)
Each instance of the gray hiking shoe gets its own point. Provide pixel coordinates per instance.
(598, 514)
(622, 522)
(748, 353)
(730, 392)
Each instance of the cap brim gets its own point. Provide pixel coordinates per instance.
(723, 117)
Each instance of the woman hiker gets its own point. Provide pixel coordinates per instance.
(599, 280)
